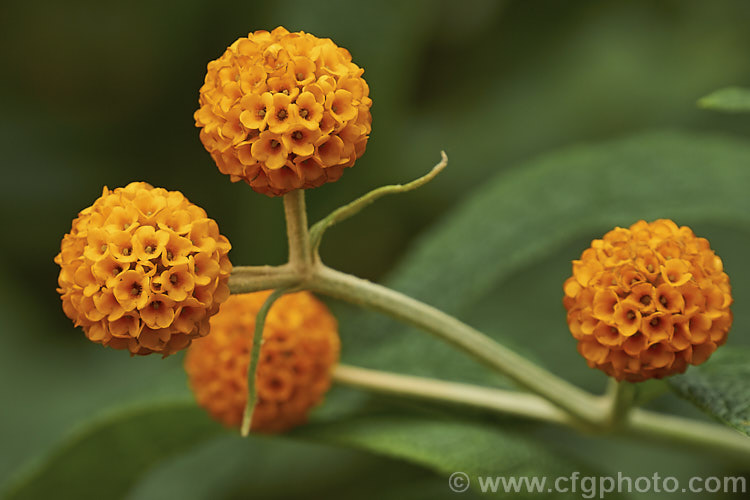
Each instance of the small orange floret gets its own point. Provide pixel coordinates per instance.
(645, 302)
(300, 347)
(272, 101)
(143, 269)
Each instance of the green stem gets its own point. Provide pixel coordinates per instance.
(640, 424)
(257, 341)
(562, 403)
(472, 396)
(247, 279)
(620, 396)
(691, 434)
(300, 255)
(401, 307)
(350, 209)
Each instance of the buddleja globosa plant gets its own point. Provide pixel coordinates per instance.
(144, 270)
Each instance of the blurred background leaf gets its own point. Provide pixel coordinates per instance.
(109, 456)
(97, 94)
(730, 99)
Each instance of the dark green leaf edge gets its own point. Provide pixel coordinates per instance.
(438, 443)
(24, 483)
(716, 388)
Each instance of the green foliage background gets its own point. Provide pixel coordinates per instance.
(95, 94)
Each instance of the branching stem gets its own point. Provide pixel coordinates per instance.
(552, 399)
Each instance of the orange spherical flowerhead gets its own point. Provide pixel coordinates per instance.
(300, 347)
(283, 111)
(645, 302)
(143, 269)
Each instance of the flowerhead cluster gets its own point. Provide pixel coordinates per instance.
(300, 346)
(284, 111)
(645, 302)
(143, 269)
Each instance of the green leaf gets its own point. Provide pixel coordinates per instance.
(106, 459)
(497, 237)
(540, 205)
(534, 212)
(107, 455)
(444, 444)
(730, 100)
(286, 468)
(720, 387)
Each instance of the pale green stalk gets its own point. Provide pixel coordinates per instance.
(343, 213)
(640, 424)
(257, 342)
(620, 398)
(403, 308)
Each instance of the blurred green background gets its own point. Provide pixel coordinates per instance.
(100, 94)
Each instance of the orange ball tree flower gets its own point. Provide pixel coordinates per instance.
(283, 111)
(300, 347)
(645, 302)
(143, 269)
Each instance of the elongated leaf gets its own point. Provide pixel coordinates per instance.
(542, 204)
(447, 445)
(284, 469)
(106, 457)
(720, 387)
(535, 211)
(730, 99)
